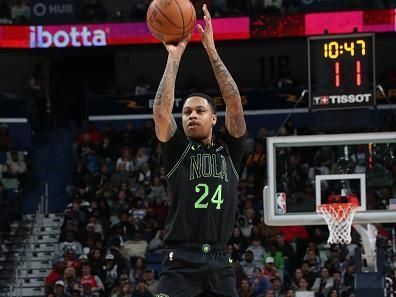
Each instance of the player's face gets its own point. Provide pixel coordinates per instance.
(198, 118)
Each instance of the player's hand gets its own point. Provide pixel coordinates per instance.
(207, 33)
(177, 50)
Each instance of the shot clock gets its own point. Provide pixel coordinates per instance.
(341, 71)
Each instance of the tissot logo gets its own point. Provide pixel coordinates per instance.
(342, 99)
(74, 37)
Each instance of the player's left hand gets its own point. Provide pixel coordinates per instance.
(207, 33)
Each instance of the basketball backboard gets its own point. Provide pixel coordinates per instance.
(306, 171)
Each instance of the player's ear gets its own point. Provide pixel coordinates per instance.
(214, 120)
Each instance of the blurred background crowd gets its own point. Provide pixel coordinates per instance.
(113, 229)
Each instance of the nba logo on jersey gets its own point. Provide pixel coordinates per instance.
(280, 203)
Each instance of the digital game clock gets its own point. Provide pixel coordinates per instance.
(341, 71)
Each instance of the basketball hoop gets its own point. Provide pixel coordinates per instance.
(339, 217)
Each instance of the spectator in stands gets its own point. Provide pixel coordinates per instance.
(141, 157)
(110, 274)
(276, 256)
(136, 272)
(245, 289)
(84, 144)
(287, 251)
(103, 176)
(120, 176)
(257, 249)
(157, 189)
(108, 150)
(70, 243)
(238, 241)
(70, 280)
(129, 136)
(95, 260)
(157, 244)
(16, 166)
(136, 247)
(59, 288)
(150, 281)
(313, 260)
(55, 274)
(123, 290)
(91, 160)
(20, 12)
(144, 174)
(303, 286)
(127, 160)
(142, 87)
(248, 264)
(338, 283)
(349, 276)
(244, 226)
(269, 270)
(308, 274)
(89, 282)
(5, 138)
(148, 130)
(260, 284)
(141, 290)
(322, 284)
(296, 279)
(277, 286)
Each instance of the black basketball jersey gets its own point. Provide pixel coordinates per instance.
(203, 183)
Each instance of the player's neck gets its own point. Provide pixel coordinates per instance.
(208, 141)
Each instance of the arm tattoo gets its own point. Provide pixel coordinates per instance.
(235, 121)
(165, 97)
(163, 102)
(227, 84)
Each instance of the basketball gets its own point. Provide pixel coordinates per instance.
(171, 20)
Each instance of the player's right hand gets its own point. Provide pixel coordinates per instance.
(177, 50)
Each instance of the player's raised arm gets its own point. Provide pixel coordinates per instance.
(234, 121)
(165, 125)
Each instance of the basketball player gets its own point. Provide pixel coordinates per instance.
(202, 171)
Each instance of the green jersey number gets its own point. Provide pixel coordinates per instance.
(204, 190)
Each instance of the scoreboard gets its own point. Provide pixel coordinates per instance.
(341, 71)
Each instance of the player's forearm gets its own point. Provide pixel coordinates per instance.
(228, 87)
(165, 96)
(234, 121)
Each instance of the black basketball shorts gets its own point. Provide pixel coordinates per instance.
(197, 270)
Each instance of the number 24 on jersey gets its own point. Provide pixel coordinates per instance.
(204, 190)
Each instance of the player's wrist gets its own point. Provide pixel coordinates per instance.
(174, 57)
(211, 52)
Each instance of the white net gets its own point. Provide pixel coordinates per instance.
(339, 218)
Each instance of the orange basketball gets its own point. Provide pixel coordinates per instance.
(171, 20)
